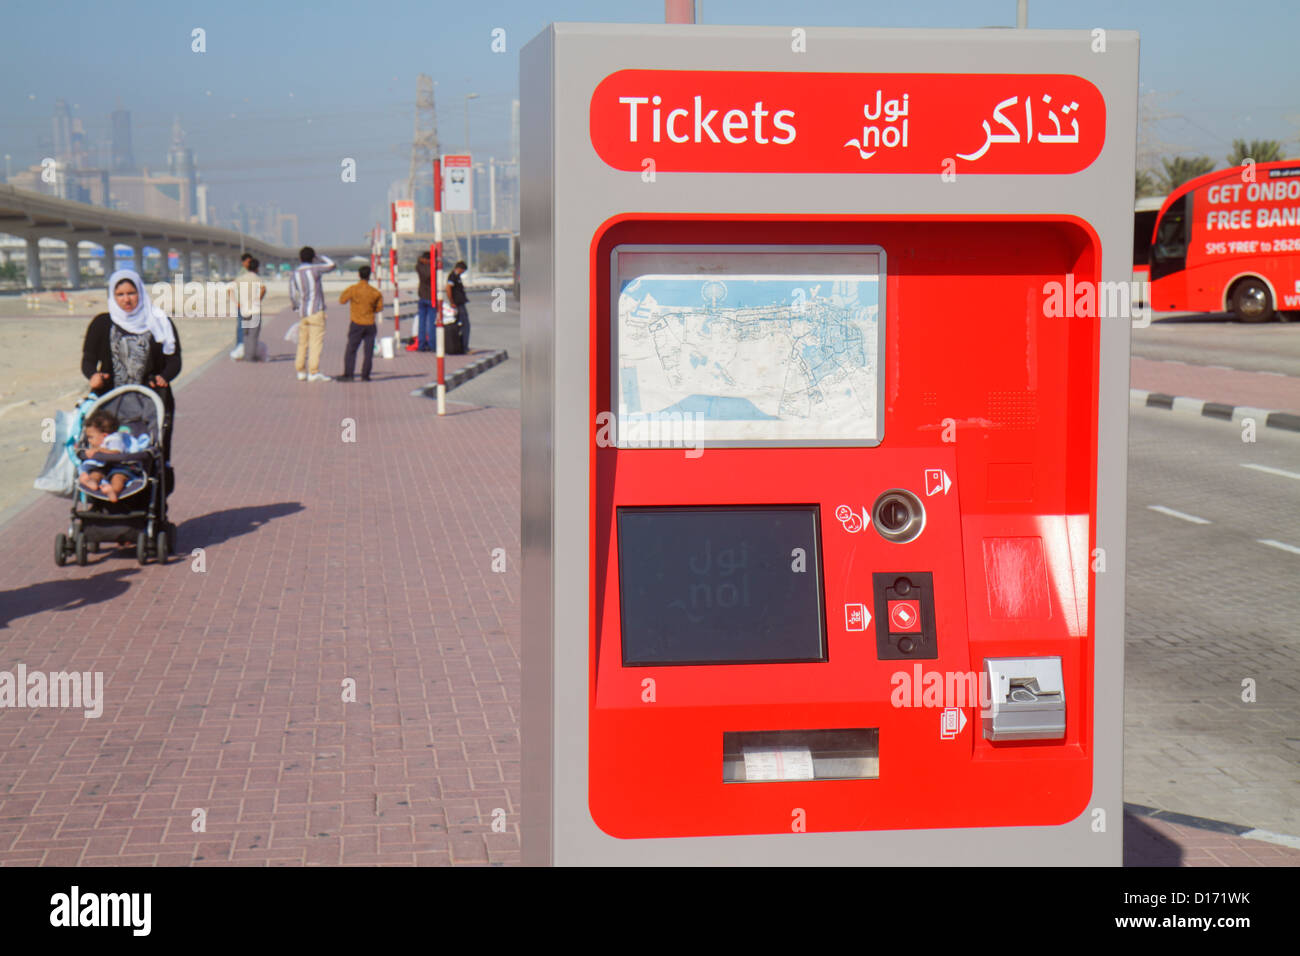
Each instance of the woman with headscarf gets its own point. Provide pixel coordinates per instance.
(133, 343)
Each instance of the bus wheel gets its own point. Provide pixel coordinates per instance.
(1251, 301)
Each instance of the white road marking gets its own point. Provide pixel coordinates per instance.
(1268, 470)
(1178, 514)
(1280, 545)
(1279, 374)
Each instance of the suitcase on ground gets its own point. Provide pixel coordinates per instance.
(451, 339)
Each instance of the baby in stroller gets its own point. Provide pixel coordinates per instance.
(102, 436)
(119, 496)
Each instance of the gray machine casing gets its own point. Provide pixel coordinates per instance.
(568, 192)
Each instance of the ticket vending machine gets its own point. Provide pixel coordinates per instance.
(824, 432)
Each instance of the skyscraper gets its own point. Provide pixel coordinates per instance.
(122, 158)
(62, 131)
(180, 163)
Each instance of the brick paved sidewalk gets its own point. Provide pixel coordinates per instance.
(1154, 841)
(324, 560)
(1226, 386)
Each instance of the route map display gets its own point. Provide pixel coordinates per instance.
(752, 358)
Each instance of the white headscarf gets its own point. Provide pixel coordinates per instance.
(146, 317)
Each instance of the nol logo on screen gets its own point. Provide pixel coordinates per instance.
(743, 121)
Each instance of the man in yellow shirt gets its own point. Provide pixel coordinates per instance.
(366, 302)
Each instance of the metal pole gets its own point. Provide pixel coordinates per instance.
(1022, 14)
(392, 273)
(679, 11)
(435, 253)
(469, 233)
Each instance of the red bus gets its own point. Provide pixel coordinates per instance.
(1229, 241)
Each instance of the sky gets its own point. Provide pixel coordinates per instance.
(286, 90)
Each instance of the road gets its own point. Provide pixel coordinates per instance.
(1219, 341)
(499, 386)
(1213, 603)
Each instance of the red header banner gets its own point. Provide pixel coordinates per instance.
(759, 122)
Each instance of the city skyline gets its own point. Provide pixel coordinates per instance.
(267, 124)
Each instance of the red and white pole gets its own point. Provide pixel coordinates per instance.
(392, 273)
(379, 281)
(435, 254)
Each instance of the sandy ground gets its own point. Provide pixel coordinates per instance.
(40, 371)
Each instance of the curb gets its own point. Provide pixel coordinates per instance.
(1203, 409)
(1217, 826)
(461, 376)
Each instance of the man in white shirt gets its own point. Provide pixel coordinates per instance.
(249, 292)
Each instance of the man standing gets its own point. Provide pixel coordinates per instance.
(238, 352)
(456, 296)
(366, 303)
(308, 299)
(424, 339)
(251, 291)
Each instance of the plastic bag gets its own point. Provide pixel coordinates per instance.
(59, 474)
(291, 334)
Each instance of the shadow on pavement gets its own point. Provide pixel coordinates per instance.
(1144, 846)
(217, 527)
(63, 594)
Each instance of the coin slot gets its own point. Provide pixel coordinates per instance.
(898, 515)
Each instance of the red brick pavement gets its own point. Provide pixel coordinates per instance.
(1154, 842)
(323, 560)
(1278, 393)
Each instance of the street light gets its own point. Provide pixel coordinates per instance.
(468, 97)
(469, 233)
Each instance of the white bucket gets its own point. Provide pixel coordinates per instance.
(386, 346)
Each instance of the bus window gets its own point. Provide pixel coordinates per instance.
(1169, 252)
(1144, 223)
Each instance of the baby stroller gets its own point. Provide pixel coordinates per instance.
(140, 513)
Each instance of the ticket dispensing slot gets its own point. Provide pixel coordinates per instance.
(1028, 699)
(774, 755)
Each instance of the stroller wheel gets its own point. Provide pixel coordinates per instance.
(162, 547)
(142, 548)
(61, 549)
(81, 548)
(173, 539)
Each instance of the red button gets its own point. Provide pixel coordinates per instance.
(904, 617)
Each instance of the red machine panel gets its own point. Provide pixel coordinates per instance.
(989, 425)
